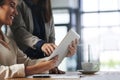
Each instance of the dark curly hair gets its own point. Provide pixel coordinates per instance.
(1, 2)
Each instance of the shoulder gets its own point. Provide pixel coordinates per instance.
(22, 5)
(23, 9)
(20, 2)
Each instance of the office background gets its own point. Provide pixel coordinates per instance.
(97, 22)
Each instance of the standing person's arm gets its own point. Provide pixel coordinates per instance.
(50, 37)
(22, 27)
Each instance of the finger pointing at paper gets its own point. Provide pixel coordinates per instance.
(48, 48)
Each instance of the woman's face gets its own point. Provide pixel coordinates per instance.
(8, 12)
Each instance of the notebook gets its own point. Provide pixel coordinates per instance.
(62, 48)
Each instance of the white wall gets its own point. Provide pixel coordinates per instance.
(64, 3)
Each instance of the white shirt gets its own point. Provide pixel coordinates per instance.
(13, 60)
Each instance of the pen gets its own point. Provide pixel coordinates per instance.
(41, 76)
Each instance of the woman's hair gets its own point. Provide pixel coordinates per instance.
(46, 8)
(1, 2)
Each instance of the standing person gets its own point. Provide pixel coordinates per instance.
(33, 29)
(13, 62)
(36, 24)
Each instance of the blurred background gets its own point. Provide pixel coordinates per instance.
(97, 22)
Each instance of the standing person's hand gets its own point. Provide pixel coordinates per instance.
(72, 48)
(41, 66)
(48, 48)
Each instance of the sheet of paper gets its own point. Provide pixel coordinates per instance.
(62, 48)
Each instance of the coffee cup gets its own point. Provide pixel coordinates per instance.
(90, 66)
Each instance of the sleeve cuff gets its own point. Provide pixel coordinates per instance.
(39, 44)
(18, 70)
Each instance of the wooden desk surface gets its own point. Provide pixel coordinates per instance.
(111, 75)
(44, 79)
(67, 76)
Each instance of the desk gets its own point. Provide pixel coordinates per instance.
(67, 76)
(43, 79)
(97, 76)
(111, 75)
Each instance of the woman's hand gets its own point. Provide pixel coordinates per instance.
(48, 48)
(72, 48)
(41, 66)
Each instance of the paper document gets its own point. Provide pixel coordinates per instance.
(62, 48)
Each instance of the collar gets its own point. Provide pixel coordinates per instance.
(5, 38)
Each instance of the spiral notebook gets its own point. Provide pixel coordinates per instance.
(62, 48)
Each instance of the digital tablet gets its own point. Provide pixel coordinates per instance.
(62, 48)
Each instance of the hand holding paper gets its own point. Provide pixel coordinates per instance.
(72, 48)
(62, 48)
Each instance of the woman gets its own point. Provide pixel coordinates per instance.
(35, 21)
(13, 62)
(33, 29)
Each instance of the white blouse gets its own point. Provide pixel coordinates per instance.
(12, 60)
